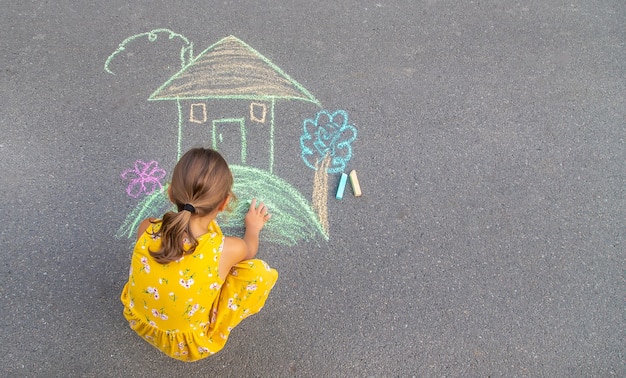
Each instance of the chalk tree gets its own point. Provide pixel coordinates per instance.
(326, 145)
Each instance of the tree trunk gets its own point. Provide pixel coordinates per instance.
(320, 192)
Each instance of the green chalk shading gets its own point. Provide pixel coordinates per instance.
(152, 206)
(293, 219)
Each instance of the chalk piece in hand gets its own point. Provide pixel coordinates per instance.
(354, 180)
(342, 186)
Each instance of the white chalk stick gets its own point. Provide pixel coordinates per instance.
(354, 180)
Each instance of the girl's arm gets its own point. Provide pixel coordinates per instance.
(235, 249)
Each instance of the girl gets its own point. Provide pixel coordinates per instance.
(189, 285)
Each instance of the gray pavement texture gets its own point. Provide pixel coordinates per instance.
(490, 237)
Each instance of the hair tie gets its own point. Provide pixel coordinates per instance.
(189, 208)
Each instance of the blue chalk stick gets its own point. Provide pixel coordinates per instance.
(342, 186)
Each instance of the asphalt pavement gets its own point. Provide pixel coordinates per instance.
(490, 148)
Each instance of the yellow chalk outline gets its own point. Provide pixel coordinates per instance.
(192, 113)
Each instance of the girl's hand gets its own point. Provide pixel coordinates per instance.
(256, 217)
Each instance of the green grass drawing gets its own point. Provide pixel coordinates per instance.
(293, 219)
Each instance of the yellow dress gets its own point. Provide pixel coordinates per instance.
(183, 308)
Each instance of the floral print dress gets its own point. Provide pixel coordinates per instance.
(183, 308)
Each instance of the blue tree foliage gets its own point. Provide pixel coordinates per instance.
(329, 134)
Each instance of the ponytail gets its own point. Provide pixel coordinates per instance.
(174, 229)
(201, 181)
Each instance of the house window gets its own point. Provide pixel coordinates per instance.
(197, 113)
(257, 112)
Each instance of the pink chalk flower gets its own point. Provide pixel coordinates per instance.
(144, 178)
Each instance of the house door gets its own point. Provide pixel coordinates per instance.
(229, 139)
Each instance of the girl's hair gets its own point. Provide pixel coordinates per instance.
(202, 179)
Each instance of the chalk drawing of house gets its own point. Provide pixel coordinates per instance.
(233, 71)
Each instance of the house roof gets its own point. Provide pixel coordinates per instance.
(230, 69)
